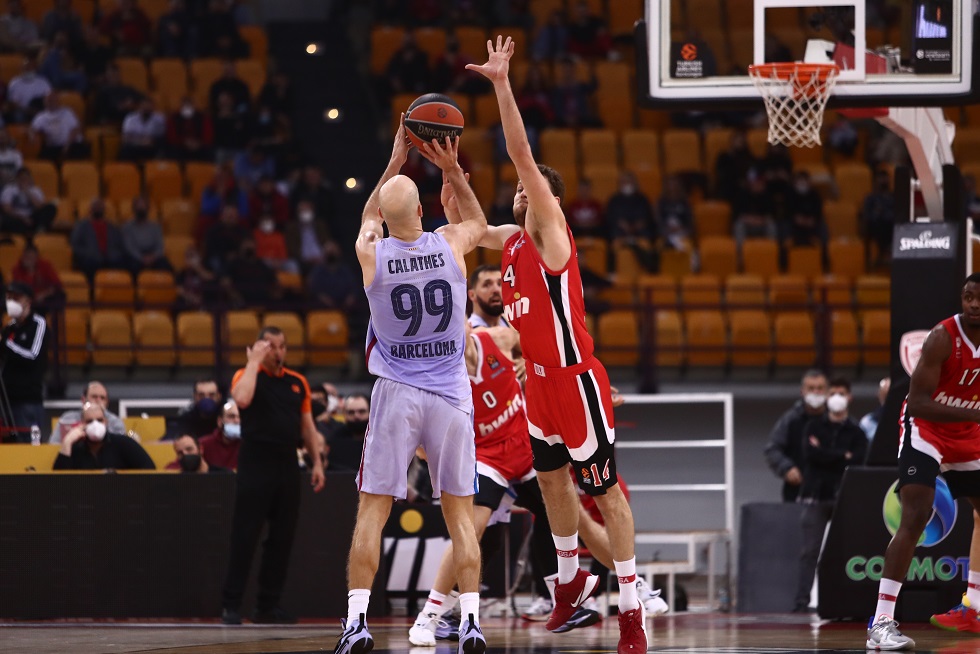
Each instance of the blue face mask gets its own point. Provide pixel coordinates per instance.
(233, 432)
(207, 406)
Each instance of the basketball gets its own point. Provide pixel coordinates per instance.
(433, 116)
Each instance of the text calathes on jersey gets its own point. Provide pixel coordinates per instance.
(415, 264)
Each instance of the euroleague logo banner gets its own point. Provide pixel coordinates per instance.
(910, 349)
(943, 518)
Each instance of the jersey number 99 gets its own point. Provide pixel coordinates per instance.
(435, 298)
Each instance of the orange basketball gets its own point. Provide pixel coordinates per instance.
(689, 52)
(433, 116)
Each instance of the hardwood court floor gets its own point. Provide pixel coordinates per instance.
(705, 633)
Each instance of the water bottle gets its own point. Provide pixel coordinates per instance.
(35, 435)
(724, 600)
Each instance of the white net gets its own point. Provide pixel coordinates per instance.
(795, 97)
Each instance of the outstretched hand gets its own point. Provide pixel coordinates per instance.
(498, 64)
(445, 157)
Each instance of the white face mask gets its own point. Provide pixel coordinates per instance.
(815, 400)
(306, 216)
(267, 226)
(233, 431)
(802, 187)
(186, 111)
(332, 403)
(14, 309)
(95, 431)
(836, 403)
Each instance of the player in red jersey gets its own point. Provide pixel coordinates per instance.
(939, 434)
(569, 405)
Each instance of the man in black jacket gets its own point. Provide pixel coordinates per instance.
(23, 362)
(784, 453)
(87, 446)
(830, 443)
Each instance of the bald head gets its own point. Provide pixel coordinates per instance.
(398, 200)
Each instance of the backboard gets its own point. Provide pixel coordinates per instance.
(695, 53)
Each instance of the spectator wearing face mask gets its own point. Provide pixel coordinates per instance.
(327, 409)
(831, 442)
(189, 458)
(784, 452)
(23, 362)
(200, 418)
(96, 243)
(143, 239)
(270, 246)
(220, 448)
(190, 135)
(95, 393)
(332, 284)
(90, 446)
(143, 133)
(266, 200)
(305, 235)
(347, 441)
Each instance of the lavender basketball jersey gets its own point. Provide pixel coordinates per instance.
(418, 312)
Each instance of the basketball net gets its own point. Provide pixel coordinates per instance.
(795, 95)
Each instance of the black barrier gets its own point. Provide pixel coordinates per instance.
(769, 544)
(147, 546)
(853, 555)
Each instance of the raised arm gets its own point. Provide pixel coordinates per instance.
(495, 236)
(371, 224)
(546, 214)
(925, 379)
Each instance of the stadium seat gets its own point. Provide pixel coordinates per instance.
(164, 181)
(716, 141)
(122, 181)
(758, 141)
(55, 248)
(112, 338)
(701, 292)
(478, 146)
(10, 252)
(155, 289)
(195, 339)
(486, 112)
(431, 41)
(241, 329)
(641, 149)
(788, 293)
(622, 15)
(10, 66)
(712, 218)
(659, 290)
(174, 248)
(675, 263)
(854, 182)
(80, 180)
(198, 175)
(472, 42)
(706, 13)
(150, 429)
(258, 42)
(805, 261)
(794, 337)
(132, 71)
(650, 181)
(77, 292)
(616, 109)
(604, 179)
(841, 217)
(114, 290)
(45, 177)
(293, 329)
(719, 256)
(76, 102)
(386, 40)
(204, 73)
(252, 72)
(593, 253)
(751, 338)
(834, 291)
(746, 291)
(74, 335)
(843, 346)
(627, 266)
(760, 256)
(618, 338)
(293, 281)
(872, 292)
(619, 296)
(153, 333)
(154, 9)
(682, 151)
(668, 340)
(707, 343)
(876, 337)
(846, 258)
(541, 10)
(558, 148)
(598, 146)
(326, 338)
(169, 77)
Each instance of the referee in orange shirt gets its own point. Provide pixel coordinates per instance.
(274, 403)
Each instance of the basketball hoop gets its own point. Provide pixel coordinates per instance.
(795, 94)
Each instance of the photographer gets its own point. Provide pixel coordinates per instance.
(23, 362)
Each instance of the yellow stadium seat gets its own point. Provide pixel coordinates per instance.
(112, 338)
(843, 347)
(77, 292)
(169, 77)
(760, 256)
(876, 337)
(327, 338)
(45, 177)
(164, 181)
(431, 41)
(598, 147)
(542, 9)
(75, 102)
(795, 342)
(604, 179)
(788, 293)
(204, 73)
(641, 149)
(846, 258)
(55, 248)
(162, 453)
(252, 72)
(622, 15)
(198, 175)
(11, 65)
(706, 338)
(293, 329)
(682, 151)
(122, 181)
(833, 291)
(73, 335)
(241, 329)
(291, 281)
(751, 340)
(558, 147)
(701, 292)
(618, 338)
(153, 333)
(486, 112)
(675, 263)
(745, 291)
(872, 292)
(716, 141)
(195, 339)
(80, 180)
(719, 256)
(21, 458)
(593, 254)
(627, 266)
(150, 429)
(386, 40)
(132, 70)
(114, 290)
(650, 182)
(174, 248)
(841, 217)
(657, 290)
(854, 182)
(472, 42)
(669, 338)
(712, 218)
(258, 42)
(155, 288)
(805, 261)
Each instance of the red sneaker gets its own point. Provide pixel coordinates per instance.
(570, 596)
(960, 618)
(633, 631)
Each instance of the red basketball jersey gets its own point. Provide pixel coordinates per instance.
(498, 401)
(545, 306)
(959, 385)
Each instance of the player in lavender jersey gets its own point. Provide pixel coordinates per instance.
(416, 288)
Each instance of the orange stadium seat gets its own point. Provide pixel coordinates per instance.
(198, 175)
(966, 145)
(598, 147)
(132, 71)
(9, 254)
(164, 181)
(760, 256)
(872, 292)
(618, 338)
(719, 256)
(252, 72)
(258, 42)
(701, 292)
(604, 179)
(431, 41)
(593, 253)
(155, 289)
(10, 66)
(75, 102)
(650, 181)
(74, 335)
(386, 40)
(843, 347)
(716, 141)
(174, 247)
(788, 293)
(169, 77)
(56, 249)
(834, 291)
(122, 181)
(472, 42)
(558, 147)
(627, 266)
(112, 338)
(707, 12)
(616, 110)
(295, 332)
(45, 177)
(682, 151)
(657, 290)
(675, 263)
(751, 338)
(706, 338)
(195, 339)
(204, 73)
(241, 328)
(876, 337)
(326, 338)
(712, 218)
(846, 258)
(153, 333)
(795, 341)
(542, 9)
(841, 217)
(154, 9)
(641, 149)
(805, 261)
(745, 291)
(622, 16)
(80, 180)
(854, 182)
(486, 112)
(77, 292)
(113, 289)
(669, 338)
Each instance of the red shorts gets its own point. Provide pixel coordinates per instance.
(508, 460)
(945, 448)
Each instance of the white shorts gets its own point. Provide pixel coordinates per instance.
(404, 417)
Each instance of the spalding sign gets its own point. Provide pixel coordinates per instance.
(910, 348)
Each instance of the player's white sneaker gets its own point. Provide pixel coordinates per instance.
(884, 635)
(650, 598)
(423, 632)
(539, 611)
